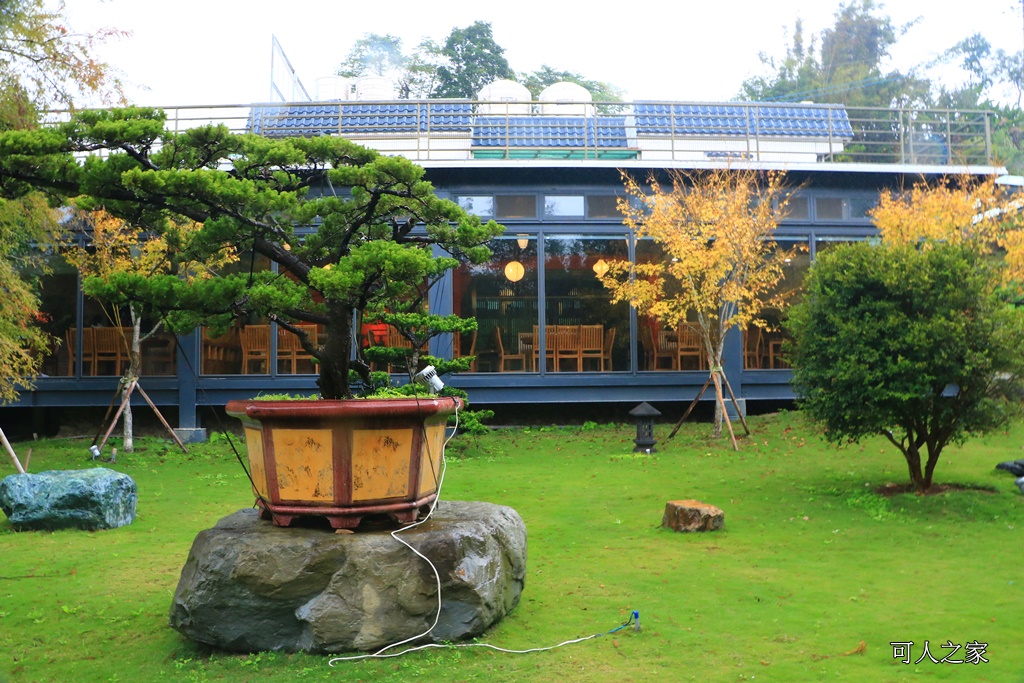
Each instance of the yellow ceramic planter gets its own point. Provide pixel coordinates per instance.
(344, 460)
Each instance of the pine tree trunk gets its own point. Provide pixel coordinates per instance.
(334, 362)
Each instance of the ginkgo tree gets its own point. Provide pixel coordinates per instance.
(957, 210)
(722, 267)
(115, 248)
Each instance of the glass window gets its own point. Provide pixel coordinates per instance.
(823, 245)
(584, 330)
(502, 295)
(58, 294)
(564, 205)
(660, 346)
(859, 206)
(799, 209)
(831, 208)
(244, 348)
(603, 206)
(478, 205)
(763, 344)
(515, 206)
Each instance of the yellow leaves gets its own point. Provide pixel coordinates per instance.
(963, 210)
(715, 229)
(119, 247)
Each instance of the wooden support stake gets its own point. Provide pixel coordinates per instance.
(171, 431)
(690, 409)
(736, 404)
(10, 452)
(725, 413)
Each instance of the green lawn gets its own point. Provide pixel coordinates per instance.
(811, 579)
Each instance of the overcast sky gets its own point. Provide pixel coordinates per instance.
(219, 51)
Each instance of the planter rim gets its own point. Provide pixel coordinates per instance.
(428, 406)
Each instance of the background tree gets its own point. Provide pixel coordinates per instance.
(42, 62)
(963, 210)
(911, 344)
(116, 248)
(844, 65)
(26, 232)
(474, 60)
(721, 268)
(538, 80)
(376, 221)
(415, 75)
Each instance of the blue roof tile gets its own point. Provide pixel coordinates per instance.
(742, 120)
(650, 119)
(549, 131)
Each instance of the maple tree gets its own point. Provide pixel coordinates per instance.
(722, 266)
(24, 227)
(44, 62)
(118, 248)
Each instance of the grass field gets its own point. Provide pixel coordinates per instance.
(813, 577)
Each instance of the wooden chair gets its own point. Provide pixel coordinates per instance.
(397, 341)
(110, 346)
(667, 347)
(255, 341)
(776, 358)
(656, 352)
(606, 352)
(290, 351)
(505, 358)
(158, 354)
(221, 355)
(528, 347)
(754, 356)
(690, 347)
(88, 350)
(566, 342)
(549, 349)
(591, 347)
(457, 351)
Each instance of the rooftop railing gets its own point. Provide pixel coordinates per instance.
(659, 132)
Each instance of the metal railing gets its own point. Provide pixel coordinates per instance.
(675, 132)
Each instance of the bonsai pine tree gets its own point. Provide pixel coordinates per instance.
(348, 230)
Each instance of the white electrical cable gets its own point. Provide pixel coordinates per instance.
(437, 575)
(380, 654)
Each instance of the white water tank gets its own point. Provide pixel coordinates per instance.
(375, 88)
(504, 97)
(333, 88)
(566, 99)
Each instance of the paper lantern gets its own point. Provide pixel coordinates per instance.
(514, 271)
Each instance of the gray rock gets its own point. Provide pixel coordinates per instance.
(1014, 467)
(250, 586)
(97, 498)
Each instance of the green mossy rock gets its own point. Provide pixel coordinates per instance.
(97, 498)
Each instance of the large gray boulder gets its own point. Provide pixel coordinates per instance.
(250, 586)
(97, 498)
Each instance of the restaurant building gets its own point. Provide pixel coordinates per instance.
(550, 171)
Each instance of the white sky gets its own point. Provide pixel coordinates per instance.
(218, 51)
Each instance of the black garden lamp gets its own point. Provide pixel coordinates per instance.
(644, 414)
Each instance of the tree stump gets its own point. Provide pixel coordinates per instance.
(692, 515)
